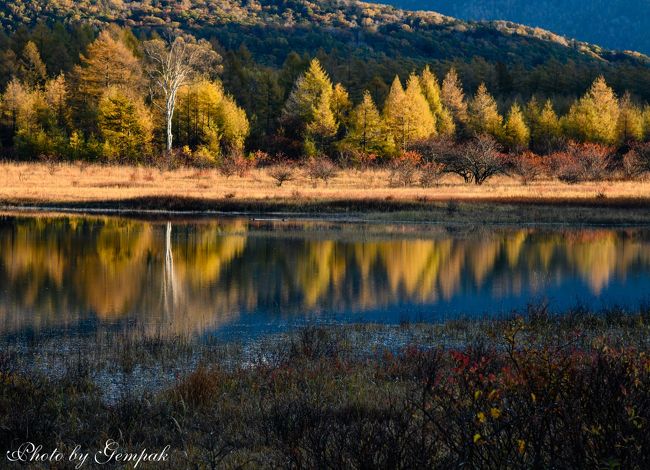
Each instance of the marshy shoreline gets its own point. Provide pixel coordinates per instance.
(530, 212)
(564, 390)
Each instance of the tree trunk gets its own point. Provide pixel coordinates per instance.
(169, 111)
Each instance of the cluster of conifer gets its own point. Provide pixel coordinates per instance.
(323, 116)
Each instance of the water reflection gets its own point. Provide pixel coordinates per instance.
(193, 277)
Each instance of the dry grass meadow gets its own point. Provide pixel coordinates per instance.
(83, 185)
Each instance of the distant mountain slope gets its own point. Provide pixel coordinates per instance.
(381, 28)
(616, 24)
(362, 45)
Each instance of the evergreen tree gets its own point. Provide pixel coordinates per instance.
(8, 66)
(31, 69)
(367, 131)
(309, 108)
(630, 126)
(431, 91)
(125, 125)
(394, 112)
(272, 98)
(378, 89)
(108, 62)
(56, 95)
(453, 98)
(341, 104)
(407, 113)
(484, 117)
(594, 117)
(516, 132)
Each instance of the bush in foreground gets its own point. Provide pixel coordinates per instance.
(540, 393)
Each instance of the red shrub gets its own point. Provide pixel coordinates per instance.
(528, 166)
(582, 162)
(241, 165)
(404, 168)
(637, 161)
(320, 168)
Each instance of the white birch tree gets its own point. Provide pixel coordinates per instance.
(173, 64)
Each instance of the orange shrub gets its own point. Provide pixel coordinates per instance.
(404, 168)
(582, 162)
(528, 166)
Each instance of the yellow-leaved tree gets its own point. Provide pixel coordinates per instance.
(646, 122)
(484, 117)
(432, 92)
(308, 112)
(453, 97)
(367, 131)
(125, 125)
(407, 113)
(594, 117)
(630, 126)
(516, 135)
(545, 127)
(208, 120)
(108, 62)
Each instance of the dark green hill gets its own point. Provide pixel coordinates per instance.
(270, 27)
(617, 24)
(361, 45)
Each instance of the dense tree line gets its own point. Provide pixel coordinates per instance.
(115, 103)
(106, 107)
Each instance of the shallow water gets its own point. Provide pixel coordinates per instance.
(241, 277)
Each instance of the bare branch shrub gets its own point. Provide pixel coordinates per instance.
(528, 166)
(477, 160)
(320, 169)
(582, 162)
(238, 164)
(636, 162)
(281, 173)
(431, 173)
(403, 169)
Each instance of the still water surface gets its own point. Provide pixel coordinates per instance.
(242, 277)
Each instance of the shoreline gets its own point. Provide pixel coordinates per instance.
(609, 212)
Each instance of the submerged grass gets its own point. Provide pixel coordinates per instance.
(537, 391)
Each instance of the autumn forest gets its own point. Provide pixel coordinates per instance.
(116, 95)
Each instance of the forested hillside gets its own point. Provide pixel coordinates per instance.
(616, 24)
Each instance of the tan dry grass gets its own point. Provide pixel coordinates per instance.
(76, 183)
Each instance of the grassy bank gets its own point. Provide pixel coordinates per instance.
(352, 194)
(570, 391)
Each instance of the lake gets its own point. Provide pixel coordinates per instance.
(244, 277)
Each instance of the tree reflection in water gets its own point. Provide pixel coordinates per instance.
(190, 277)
